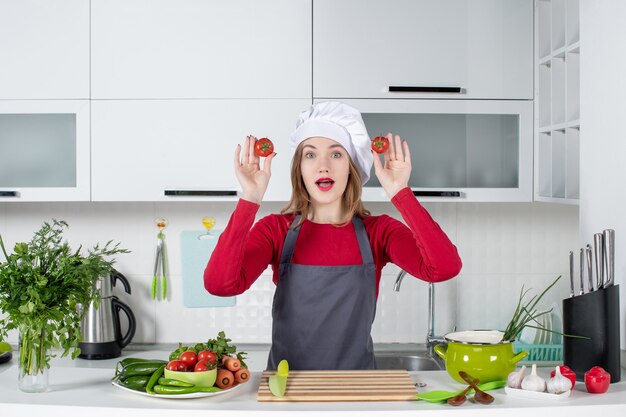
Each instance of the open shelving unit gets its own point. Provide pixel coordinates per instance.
(557, 101)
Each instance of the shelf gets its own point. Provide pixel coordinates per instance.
(572, 124)
(557, 102)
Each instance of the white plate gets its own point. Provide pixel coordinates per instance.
(534, 395)
(177, 396)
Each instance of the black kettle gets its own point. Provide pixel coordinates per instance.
(100, 327)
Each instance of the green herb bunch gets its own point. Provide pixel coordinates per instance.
(526, 314)
(42, 285)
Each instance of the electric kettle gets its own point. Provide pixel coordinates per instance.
(100, 327)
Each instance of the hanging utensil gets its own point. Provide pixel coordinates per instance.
(159, 279)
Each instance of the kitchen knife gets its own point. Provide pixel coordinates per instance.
(598, 249)
(581, 290)
(589, 268)
(571, 273)
(609, 252)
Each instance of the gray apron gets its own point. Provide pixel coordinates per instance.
(322, 315)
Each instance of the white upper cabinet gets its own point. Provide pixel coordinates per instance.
(44, 150)
(183, 150)
(423, 49)
(44, 49)
(146, 49)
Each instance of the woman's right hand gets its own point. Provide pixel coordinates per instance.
(252, 178)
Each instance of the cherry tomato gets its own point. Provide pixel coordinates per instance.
(176, 365)
(567, 373)
(207, 356)
(380, 144)
(597, 380)
(263, 147)
(189, 358)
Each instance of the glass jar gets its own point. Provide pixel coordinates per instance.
(33, 360)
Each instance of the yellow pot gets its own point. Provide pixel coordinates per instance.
(481, 353)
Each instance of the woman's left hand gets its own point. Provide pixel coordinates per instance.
(394, 174)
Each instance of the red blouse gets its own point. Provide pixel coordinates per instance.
(244, 251)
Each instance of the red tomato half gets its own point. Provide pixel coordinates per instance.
(189, 358)
(207, 356)
(380, 144)
(263, 147)
(176, 365)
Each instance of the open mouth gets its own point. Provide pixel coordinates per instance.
(324, 184)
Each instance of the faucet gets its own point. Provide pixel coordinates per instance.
(431, 339)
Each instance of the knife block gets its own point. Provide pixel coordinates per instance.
(596, 316)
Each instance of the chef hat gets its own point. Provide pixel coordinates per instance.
(341, 123)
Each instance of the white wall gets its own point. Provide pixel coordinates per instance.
(603, 141)
(503, 246)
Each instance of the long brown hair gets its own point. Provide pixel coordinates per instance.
(300, 201)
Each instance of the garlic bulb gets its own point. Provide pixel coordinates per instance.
(514, 380)
(534, 382)
(558, 383)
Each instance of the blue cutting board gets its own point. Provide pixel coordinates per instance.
(195, 254)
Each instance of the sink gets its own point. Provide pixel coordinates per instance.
(411, 361)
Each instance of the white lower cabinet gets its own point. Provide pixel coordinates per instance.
(44, 150)
(183, 150)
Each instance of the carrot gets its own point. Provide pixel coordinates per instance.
(225, 378)
(232, 364)
(242, 375)
(224, 359)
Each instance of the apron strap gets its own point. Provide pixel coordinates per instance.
(363, 239)
(361, 235)
(290, 242)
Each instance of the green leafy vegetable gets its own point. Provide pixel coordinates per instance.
(526, 313)
(220, 346)
(42, 285)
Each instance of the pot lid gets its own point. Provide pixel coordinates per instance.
(476, 337)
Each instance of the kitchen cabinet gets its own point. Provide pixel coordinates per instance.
(184, 49)
(182, 150)
(461, 150)
(557, 75)
(425, 48)
(44, 49)
(44, 150)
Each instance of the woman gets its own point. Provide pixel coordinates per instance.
(326, 250)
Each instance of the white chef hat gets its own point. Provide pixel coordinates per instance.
(341, 123)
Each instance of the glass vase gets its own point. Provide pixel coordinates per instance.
(32, 361)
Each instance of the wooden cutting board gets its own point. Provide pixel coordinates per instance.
(370, 385)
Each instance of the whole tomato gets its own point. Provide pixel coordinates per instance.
(380, 144)
(597, 380)
(263, 147)
(203, 366)
(567, 373)
(177, 365)
(189, 358)
(207, 356)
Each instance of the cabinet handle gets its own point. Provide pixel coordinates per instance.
(418, 89)
(9, 194)
(200, 193)
(436, 193)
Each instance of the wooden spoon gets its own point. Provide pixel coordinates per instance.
(460, 399)
(480, 396)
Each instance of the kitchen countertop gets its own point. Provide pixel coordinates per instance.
(83, 387)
